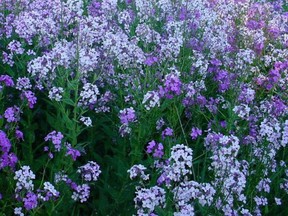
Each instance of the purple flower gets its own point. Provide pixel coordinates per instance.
(254, 25)
(90, 171)
(163, 178)
(48, 193)
(273, 77)
(24, 178)
(223, 79)
(274, 32)
(172, 85)
(82, 193)
(201, 100)
(30, 201)
(151, 60)
(167, 132)
(5, 144)
(278, 201)
(151, 145)
(246, 95)
(160, 123)
(12, 114)
(23, 83)
(8, 160)
(95, 8)
(7, 80)
(30, 96)
(56, 138)
(278, 107)
(73, 152)
(138, 170)
(19, 135)
(183, 14)
(156, 148)
(195, 132)
(147, 200)
(258, 47)
(71, 184)
(12, 160)
(223, 124)
(127, 115)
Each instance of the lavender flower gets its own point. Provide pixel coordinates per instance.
(18, 211)
(147, 200)
(151, 60)
(56, 138)
(190, 191)
(31, 98)
(48, 193)
(156, 148)
(19, 135)
(81, 193)
(90, 171)
(88, 96)
(278, 201)
(264, 185)
(24, 178)
(181, 162)
(151, 99)
(195, 132)
(30, 201)
(5, 144)
(247, 95)
(172, 85)
(127, 115)
(56, 93)
(60, 176)
(15, 47)
(167, 132)
(160, 123)
(23, 83)
(7, 80)
(138, 170)
(12, 114)
(73, 152)
(86, 121)
(242, 111)
(260, 201)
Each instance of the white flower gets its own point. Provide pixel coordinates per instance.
(86, 120)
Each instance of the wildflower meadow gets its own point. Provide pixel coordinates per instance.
(144, 107)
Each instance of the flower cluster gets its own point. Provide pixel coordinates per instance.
(211, 74)
(81, 193)
(90, 171)
(138, 170)
(156, 148)
(147, 200)
(126, 116)
(7, 158)
(56, 138)
(88, 96)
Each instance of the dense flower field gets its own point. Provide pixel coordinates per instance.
(144, 107)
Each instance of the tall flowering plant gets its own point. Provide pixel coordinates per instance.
(189, 97)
